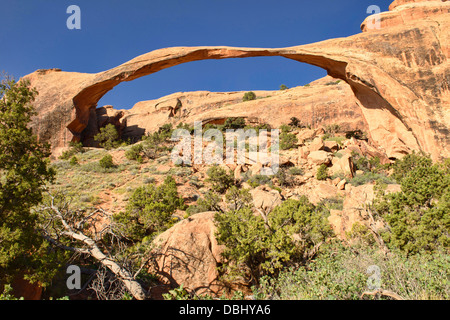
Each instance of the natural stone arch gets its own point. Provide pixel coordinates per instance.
(381, 66)
(158, 60)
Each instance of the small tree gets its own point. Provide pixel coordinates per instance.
(108, 137)
(149, 210)
(322, 172)
(249, 96)
(107, 162)
(24, 172)
(283, 87)
(419, 215)
(219, 178)
(288, 140)
(74, 161)
(258, 245)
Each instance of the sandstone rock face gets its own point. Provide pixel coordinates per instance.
(189, 255)
(399, 76)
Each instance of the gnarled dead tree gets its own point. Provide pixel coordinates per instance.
(93, 234)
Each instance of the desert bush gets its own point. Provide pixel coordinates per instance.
(234, 123)
(288, 140)
(338, 139)
(135, 153)
(357, 134)
(258, 245)
(340, 273)
(157, 142)
(419, 215)
(336, 203)
(107, 162)
(108, 137)
(259, 179)
(75, 147)
(332, 128)
(322, 172)
(285, 128)
(186, 126)
(370, 177)
(283, 87)
(285, 178)
(74, 161)
(249, 96)
(149, 210)
(219, 178)
(408, 163)
(296, 171)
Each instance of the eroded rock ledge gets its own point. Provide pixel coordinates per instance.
(399, 74)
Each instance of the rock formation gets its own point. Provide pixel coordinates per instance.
(189, 255)
(399, 75)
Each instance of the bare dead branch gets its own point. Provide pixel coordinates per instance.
(382, 292)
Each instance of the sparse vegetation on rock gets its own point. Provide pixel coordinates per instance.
(248, 96)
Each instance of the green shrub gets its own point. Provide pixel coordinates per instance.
(285, 128)
(185, 126)
(234, 123)
(283, 87)
(257, 246)
(357, 134)
(219, 178)
(249, 96)
(332, 128)
(107, 162)
(408, 163)
(75, 147)
(336, 203)
(296, 171)
(284, 177)
(135, 153)
(338, 139)
(322, 172)
(340, 273)
(209, 202)
(74, 161)
(259, 179)
(296, 123)
(419, 215)
(149, 210)
(108, 137)
(157, 142)
(369, 177)
(288, 141)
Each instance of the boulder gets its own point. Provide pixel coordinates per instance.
(322, 191)
(341, 184)
(331, 146)
(265, 199)
(188, 255)
(343, 165)
(316, 145)
(319, 157)
(306, 134)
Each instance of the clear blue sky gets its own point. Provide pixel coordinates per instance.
(33, 35)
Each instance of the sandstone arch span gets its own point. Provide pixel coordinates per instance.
(400, 75)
